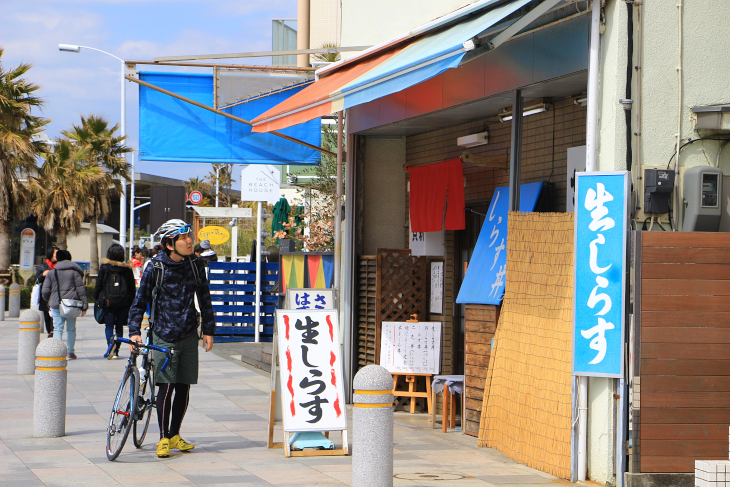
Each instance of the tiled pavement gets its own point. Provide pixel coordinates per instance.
(227, 421)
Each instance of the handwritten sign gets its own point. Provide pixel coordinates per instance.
(215, 234)
(411, 348)
(437, 288)
(305, 298)
(312, 392)
(601, 222)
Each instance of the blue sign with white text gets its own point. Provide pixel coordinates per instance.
(601, 215)
(485, 277)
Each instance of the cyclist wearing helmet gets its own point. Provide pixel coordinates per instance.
(178, 276)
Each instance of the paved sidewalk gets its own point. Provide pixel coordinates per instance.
(227, 421)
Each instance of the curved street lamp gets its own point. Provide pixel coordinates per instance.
(123, 131)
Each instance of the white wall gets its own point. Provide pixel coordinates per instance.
(705, 67)
(600, 430)
(370, 22)
(80, 245)
(384, 194)
(325, 23)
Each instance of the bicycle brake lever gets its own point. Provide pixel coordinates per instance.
(164, 365)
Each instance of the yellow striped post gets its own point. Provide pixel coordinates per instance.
(49, 402)
(2, 302)
(28, 326)
(372, 428)
(14, 300)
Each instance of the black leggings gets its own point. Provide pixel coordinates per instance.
(178, 404)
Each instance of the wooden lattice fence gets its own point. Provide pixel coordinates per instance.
(402, 288)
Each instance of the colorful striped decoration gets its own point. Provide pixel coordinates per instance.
(307, 271)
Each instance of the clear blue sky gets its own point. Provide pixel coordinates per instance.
(89, 83)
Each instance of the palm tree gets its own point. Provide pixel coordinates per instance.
(18, 148)
(61, 190)
(105, 151)
(224, 174)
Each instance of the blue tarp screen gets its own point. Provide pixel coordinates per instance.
(172, 130)
(486, 275)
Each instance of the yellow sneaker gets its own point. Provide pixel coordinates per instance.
(178, 443)
(163, 448)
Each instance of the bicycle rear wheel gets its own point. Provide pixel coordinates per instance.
(122, 414)
(144, 405)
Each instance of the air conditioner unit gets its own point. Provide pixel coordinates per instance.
(473, 140)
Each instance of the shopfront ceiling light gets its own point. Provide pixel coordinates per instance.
(506, 115)
(473, 140)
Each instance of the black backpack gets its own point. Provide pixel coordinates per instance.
(116, 294)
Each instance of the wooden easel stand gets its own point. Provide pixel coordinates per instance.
(411, 392)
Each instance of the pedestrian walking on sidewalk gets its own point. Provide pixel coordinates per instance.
(175, 276)
(66, 281)
(138, 256)
(114, 291)
(41, 273)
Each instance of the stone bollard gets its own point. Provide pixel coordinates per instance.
(49, 402)
(372, 428)
(14, 301)
(2, 302)
(28, 338)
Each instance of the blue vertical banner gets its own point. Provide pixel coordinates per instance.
(485, 279)
(601, 225)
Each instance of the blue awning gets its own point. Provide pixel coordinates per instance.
(171, 130)
(389, 68)
(424, 59)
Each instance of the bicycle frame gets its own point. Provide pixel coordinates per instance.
(132, 373)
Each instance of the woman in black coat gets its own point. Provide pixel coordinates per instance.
(115, 276)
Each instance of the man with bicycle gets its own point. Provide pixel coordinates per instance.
(169, 285)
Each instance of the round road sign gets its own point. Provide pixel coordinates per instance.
(196, 197)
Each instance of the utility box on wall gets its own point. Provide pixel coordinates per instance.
(702, 197)
(658, 187)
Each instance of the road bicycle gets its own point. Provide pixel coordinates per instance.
(135, 399)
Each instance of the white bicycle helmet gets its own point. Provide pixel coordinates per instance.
(171, 228)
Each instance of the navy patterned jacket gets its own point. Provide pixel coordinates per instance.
(175, 314)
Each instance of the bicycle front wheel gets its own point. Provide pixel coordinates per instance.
(145, 403)
(122, 415)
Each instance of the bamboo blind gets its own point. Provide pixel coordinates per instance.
(526, 411)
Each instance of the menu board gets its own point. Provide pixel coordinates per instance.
(411, 348)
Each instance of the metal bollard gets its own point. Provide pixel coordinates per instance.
(28, 339)
(49, 402)
(14, 301)
(372, 428)
(2, 302)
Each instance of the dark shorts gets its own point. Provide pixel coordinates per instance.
(183, 366)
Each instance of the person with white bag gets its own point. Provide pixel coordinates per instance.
(65, 293)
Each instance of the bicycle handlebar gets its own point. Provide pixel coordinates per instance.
(168, 352)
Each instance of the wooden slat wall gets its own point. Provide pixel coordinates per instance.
(481, 323)
(366, 323)
(685, 350)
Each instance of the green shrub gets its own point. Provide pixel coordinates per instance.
(25, 297)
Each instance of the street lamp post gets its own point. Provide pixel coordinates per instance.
(123, 197)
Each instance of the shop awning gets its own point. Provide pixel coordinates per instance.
(172, 130)
(386, 70)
